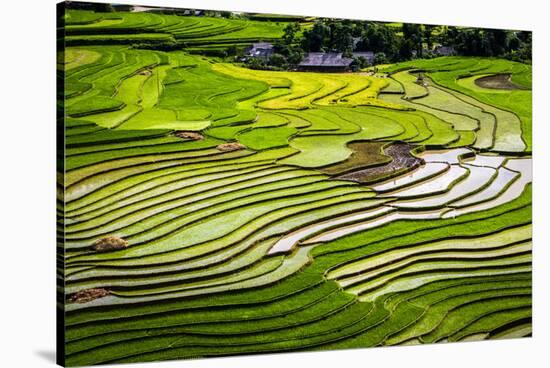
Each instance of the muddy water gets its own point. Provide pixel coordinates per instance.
(402, 159)
(497, 81)
(364, 154)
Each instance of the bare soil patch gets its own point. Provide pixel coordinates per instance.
(497, 81)
(85, 296)
(232, 146)
(364, 154)
(110, 243)
(194, 136)
(402, 161)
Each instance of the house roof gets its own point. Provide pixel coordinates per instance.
(444, 50)
(262, 45)
(328, 59)
(263, 49)
(366, 54)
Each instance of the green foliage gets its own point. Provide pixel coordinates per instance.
(490, 42)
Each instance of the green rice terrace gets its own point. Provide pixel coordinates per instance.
(208, 209)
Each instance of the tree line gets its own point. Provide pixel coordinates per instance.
(394, 43)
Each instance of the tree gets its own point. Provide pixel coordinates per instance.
(524, 53)
(524, 36)
(290, 31)
(514, 42)
(379, 38)
(471, 42)
(341, 38)
(486, 46)
(489, 42)
(406, 48)
(233, 50)
(277, 60)
(315, 38)
(449, 35)
(428, 29)
(380, 58)
(294, 56)
(255, 63)
(103, 8)
(413, 33)
(359, 63)
(292, 53)
(499, 41)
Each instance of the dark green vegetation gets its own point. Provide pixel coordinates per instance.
(393, 42)
(277, 244)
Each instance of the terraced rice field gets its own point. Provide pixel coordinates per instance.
(356, 210)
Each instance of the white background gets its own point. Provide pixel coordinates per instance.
(27, 180)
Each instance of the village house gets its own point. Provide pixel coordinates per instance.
(355, 41)
(325, 62)
(261, 50)
(425, 52)
(367, 55)
(444, 50)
